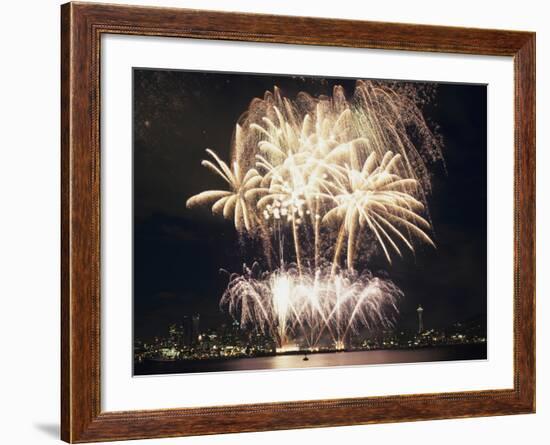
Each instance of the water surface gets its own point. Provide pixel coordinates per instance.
(319, 360)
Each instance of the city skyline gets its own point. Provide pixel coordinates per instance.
(228, 342)
(191, 328)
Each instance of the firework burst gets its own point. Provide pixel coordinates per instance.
(323, 175)
(287, 303)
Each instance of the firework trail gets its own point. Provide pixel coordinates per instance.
(311, 304)
(323, 175)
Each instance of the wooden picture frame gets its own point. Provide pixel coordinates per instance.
(82, 25)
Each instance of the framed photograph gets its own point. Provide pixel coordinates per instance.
(278, 222)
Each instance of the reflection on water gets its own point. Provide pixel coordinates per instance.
(320, 360)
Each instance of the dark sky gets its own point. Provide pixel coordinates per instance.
(178, 252)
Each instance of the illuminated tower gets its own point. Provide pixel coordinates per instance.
(195, 329)
(420, 322)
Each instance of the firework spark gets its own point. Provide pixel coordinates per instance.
(287, 303)
(231, 204)
(326, 173)
(379, 198)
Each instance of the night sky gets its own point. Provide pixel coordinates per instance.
(178, 252)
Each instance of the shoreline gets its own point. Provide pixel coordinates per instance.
(313, 352)
(293, 359)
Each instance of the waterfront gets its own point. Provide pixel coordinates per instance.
(317, 360)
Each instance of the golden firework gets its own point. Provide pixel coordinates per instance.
(328, 173)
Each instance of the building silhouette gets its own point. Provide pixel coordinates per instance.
(195, 329)
(177, 335)
(419, 311)
(187, 331)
